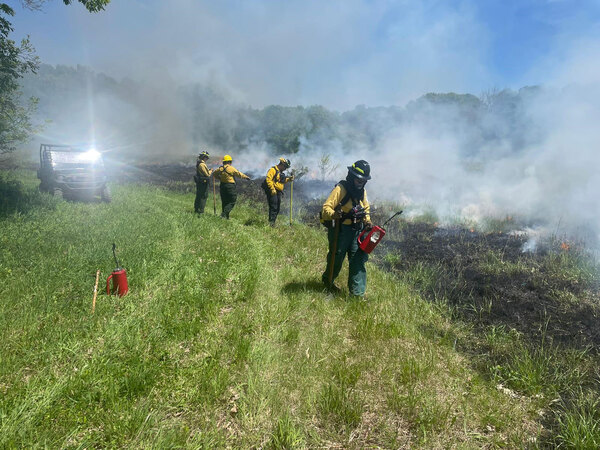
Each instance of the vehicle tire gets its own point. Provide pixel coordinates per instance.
(106, 196)
(58, 193)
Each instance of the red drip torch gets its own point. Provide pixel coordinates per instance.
(374, 237)
(119, 277)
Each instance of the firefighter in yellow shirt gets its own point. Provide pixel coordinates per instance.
(347, 207)
(227, 175)
(273, 186)
(201, 178)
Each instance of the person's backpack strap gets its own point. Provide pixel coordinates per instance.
(347, 196)
(329, 223)
(264, 184)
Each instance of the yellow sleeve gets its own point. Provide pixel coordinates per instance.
(331, 203)
(367, 206)
(239, 174)
(203, 170)
(269, 179)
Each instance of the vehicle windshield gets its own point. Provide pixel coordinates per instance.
(61, 159)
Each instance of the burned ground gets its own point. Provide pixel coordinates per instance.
(489, 280)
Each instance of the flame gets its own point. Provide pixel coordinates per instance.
(565, 246)
(472, 230)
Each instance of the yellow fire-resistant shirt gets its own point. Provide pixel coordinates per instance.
(274, 182)
(201, 169)
(336, 196)
(227, 174)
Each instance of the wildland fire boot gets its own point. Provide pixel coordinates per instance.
(330, 287)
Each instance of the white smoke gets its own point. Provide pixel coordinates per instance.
(344, 53)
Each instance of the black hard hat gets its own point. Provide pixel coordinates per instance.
(360, 169)
(286, 162)
(203, 154)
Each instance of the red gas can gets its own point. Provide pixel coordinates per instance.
(369, 242)
(119, 283)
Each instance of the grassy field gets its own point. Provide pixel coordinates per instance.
(227, 339)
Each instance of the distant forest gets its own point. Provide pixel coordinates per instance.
(76, 102)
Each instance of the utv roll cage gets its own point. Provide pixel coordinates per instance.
(72, 171)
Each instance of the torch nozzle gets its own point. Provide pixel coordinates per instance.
(114, 248)
(399, 212)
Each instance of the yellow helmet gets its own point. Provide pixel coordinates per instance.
(227, 158)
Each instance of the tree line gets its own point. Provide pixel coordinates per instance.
(205, 116)
(131, 115)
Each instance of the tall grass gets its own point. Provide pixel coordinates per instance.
(226, 339)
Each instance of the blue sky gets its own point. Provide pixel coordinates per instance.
(339, 53)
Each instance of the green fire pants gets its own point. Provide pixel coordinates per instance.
(228, 198)
(201, 194)
(347, 245)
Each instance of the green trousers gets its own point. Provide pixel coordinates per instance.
(228, 198)
(347, 245)
(201, 194)
(274, 202)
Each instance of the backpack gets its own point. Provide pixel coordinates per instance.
(329, 223)
(265, 187)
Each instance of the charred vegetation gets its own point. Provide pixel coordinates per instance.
(489, 279)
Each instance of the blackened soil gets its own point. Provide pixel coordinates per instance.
(489, 279)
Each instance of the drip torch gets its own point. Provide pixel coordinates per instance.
(119, 278)
(374, 237)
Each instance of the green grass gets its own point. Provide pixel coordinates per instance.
(226, 339)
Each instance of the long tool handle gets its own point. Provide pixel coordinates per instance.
(291, 197)
(214, 197)
(333, 250)
(95, 291)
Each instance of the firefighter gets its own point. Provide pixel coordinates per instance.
(227, 174)
(273, 186)
(202, 179)
(348, 209)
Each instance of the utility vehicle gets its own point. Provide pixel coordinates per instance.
(72, 172)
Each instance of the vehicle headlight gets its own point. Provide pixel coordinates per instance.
(92, 155)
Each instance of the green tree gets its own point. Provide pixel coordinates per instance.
(326, 166)
(90, 5)
(15, 61)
